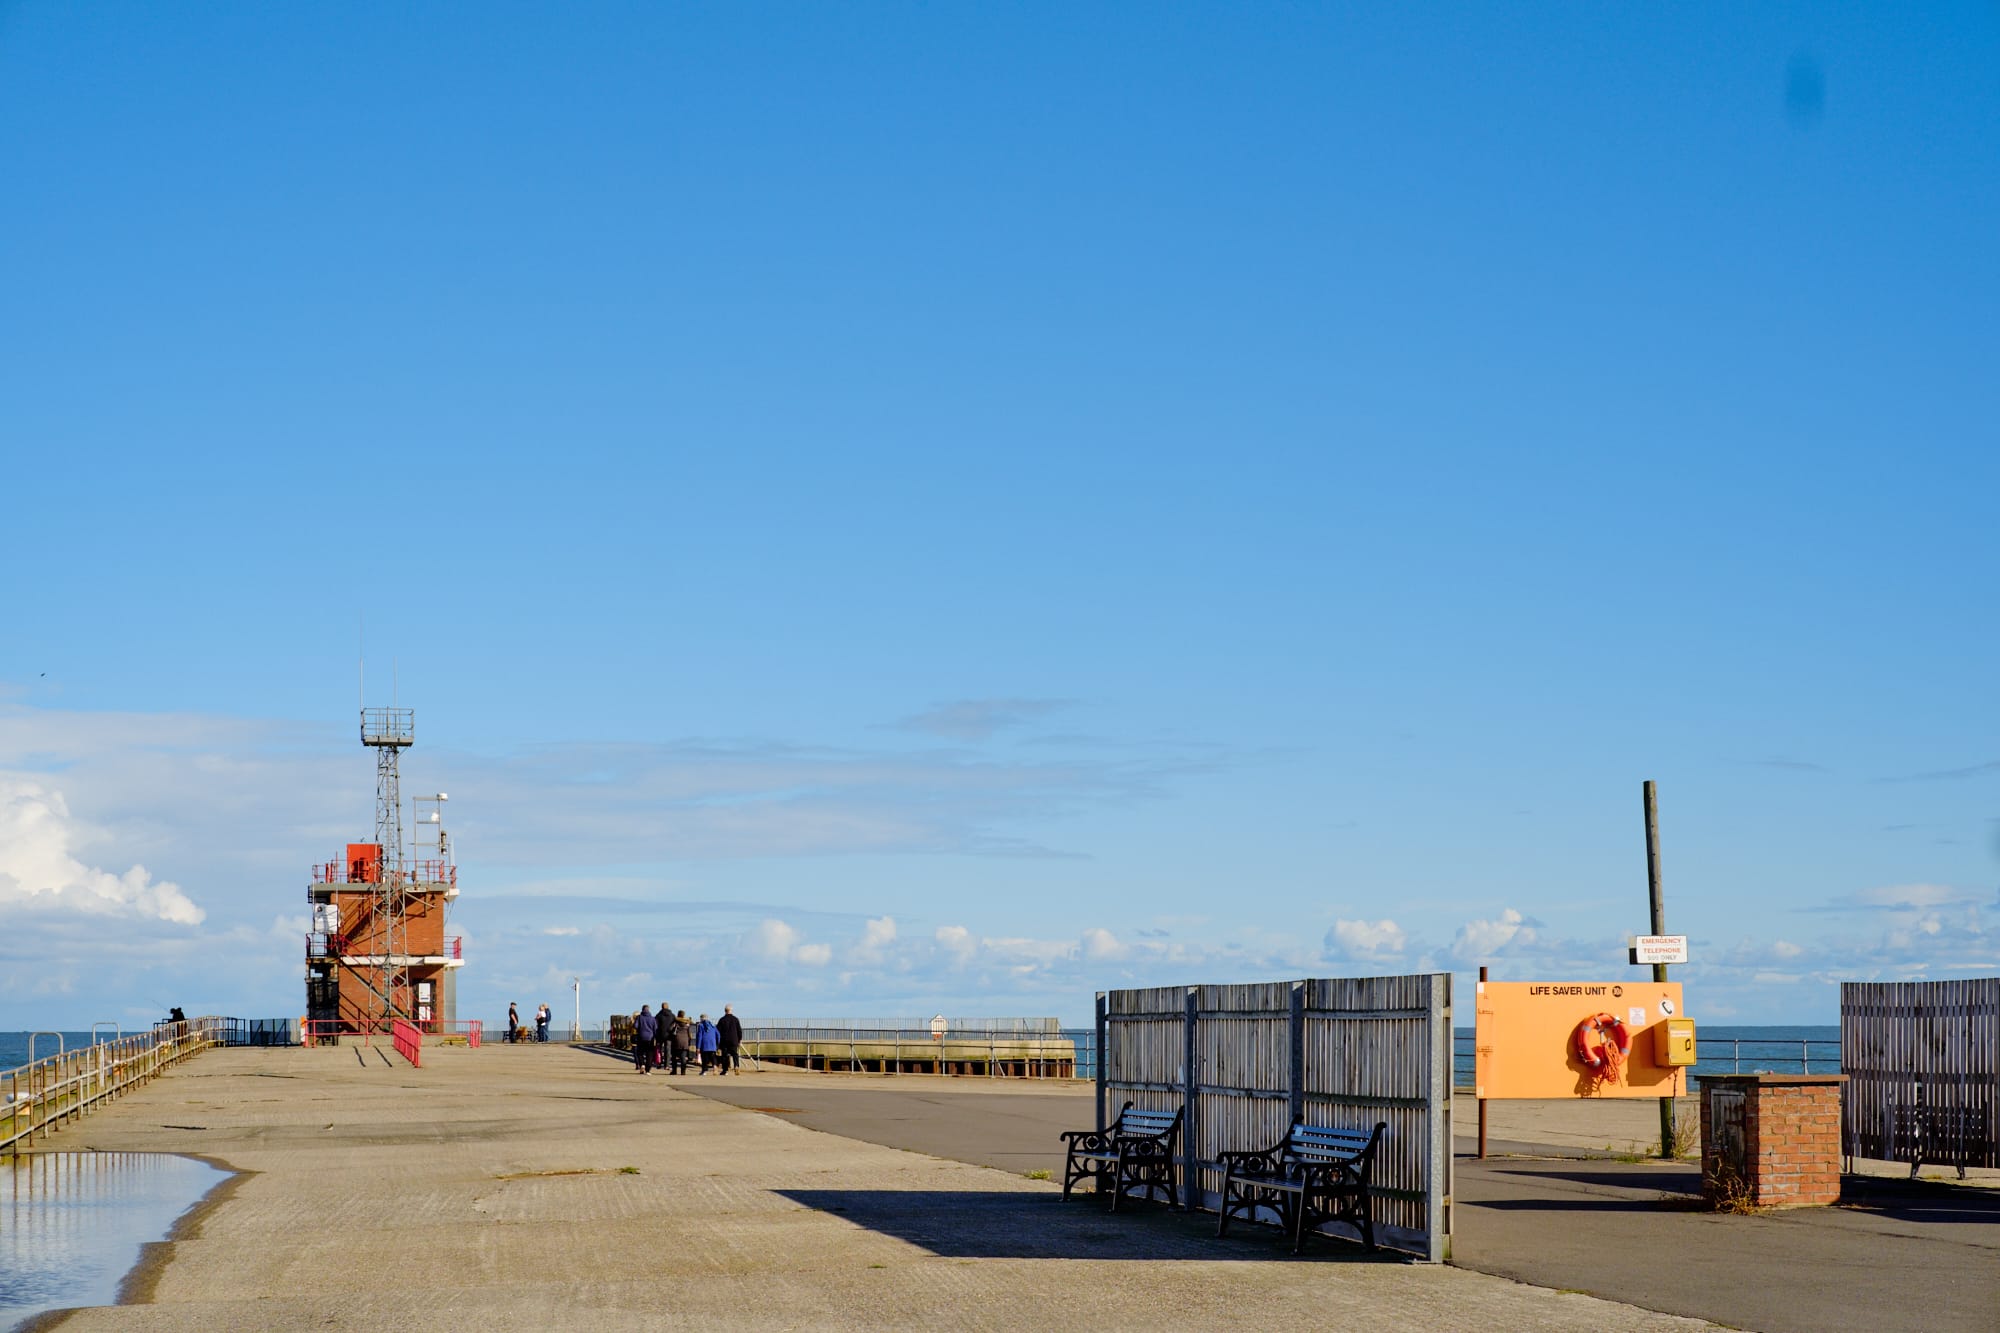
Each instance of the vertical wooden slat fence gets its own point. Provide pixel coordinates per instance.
(1245, 1059)
(1922, 1060)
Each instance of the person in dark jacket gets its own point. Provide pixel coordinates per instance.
(680, 1038)
(644, 1033)
(706, 1040)
(730, 1034)
(663, 1022)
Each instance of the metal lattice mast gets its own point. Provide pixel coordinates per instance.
(388, 731)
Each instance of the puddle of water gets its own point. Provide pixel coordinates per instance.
(72, 1223)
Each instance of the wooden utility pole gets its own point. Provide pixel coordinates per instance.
(1650, 797)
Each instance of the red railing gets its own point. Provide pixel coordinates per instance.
(328, 1031)
(329, 944)
(409, 1040)
(422, 872)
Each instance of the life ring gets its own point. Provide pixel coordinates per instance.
(1607, 1053)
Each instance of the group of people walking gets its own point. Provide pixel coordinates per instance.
(668, 1040)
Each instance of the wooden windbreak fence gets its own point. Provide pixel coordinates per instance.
(1345, 1052)
(1922, 1060)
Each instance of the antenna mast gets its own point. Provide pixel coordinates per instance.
(388, 731)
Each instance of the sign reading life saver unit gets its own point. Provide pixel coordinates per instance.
(1560, 1039)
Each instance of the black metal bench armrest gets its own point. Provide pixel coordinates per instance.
(1338, 1176)
(1089, 1140)
(1263, 1163)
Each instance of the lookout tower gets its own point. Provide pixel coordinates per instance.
(378, 949)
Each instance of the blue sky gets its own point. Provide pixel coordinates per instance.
(886, 509)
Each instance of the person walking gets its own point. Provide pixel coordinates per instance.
(662, 1042)
(644, 1033)
(729, 1032)
(680, 1036)
(542, 1022)
(706, 1040)
(513, 1021)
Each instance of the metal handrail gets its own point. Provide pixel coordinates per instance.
(425, 871)
(1036, 1050)
(52, 1089)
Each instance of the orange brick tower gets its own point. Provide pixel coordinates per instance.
(379, 948)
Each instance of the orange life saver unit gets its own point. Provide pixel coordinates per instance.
(1602, 1044)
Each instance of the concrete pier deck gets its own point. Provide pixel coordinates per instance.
(1563, 1203)
(547, 1188)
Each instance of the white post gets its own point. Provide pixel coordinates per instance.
(576, 1028)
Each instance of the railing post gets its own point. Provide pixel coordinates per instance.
(1103, 1027)
(1296, 1079)
(1190, 1123)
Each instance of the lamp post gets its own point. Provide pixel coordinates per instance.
(576, 1028)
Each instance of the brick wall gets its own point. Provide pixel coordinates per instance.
(1791, 1139)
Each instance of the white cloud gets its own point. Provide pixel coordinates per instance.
(38, 871)
(1479, 940)
(812, 955)
(561, 931)
(1358, 941)
(1101, 945)
(957, 941)
(1017, 950)
(878, 934)
(771, 939)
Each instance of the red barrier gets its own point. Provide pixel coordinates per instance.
(409, 1039)
(329, 1031)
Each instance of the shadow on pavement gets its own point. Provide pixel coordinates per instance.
(1650, 1179)
(1921, 1200)
(1564, 1205)
(966, 1224)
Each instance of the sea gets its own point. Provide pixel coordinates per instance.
(1718, 1049)
(14, 1045)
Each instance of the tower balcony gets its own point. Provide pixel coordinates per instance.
(324, 945)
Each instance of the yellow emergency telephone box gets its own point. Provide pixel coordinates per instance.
(1673, 1041)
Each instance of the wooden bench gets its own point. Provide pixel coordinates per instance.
(1941, 1136)
(1310, 1176)
(1135, 1154)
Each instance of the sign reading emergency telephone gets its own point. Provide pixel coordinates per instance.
(1548, 1039)
(1659, 949)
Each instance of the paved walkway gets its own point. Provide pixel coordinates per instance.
(549, 1188)
(1919, 1256)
